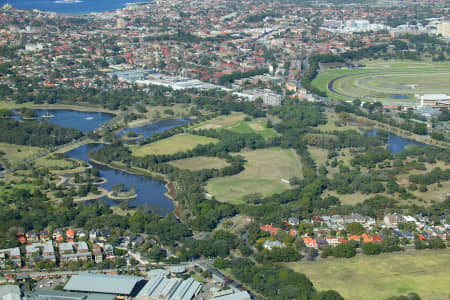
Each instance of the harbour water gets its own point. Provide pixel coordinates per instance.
(69, 7)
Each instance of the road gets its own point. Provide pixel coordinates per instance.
(236, 286)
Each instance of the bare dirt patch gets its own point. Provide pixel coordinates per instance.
(256, 126)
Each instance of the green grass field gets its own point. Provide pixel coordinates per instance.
(16, 154)
(173, 144)
(8, 189)
(263, 173)
(383, 78)
(236, 122)
(50, 162)
(379, 277)
(158, 112)
(199, 163)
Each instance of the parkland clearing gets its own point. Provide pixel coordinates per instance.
(382, 276)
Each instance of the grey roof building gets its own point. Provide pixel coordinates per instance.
(236, 296)
(160, 287)
(108, 284)
(62, 295)
(9, 292)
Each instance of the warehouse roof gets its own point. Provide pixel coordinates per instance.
(61, 295)
(9, 292)
(99, 283)
(236, 296)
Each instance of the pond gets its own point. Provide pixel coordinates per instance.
(81, 120)
(150, 192)
(399, 96)
(156, 127)
(397, 143)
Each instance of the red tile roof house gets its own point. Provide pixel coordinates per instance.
(310, 242)
(376, 238)
(270, 228)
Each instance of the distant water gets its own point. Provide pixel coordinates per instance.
(156, 127)
(81, 7)
(396, 143)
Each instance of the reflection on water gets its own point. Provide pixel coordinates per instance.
(81, 120)
(156, 127)
(149, 192)
(397, 143)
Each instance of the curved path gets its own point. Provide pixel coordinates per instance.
(331, 83)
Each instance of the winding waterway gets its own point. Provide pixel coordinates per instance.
(150, 193)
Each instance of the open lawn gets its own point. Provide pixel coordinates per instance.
(16, 154)
(338, 122)
(236, 122)
(379, 80)
(379, 277)
(158, 112)
(221, 122)
(263, 173)
(199, 163)
(433, 195)
(50, 162)
(173, 144)
(7, 189)
(319, 155)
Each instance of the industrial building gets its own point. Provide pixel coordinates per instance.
(160, 287)
(105, 284)
(10, 292)
(175, 82)
(234, 296)
(62, 295)
(435, 100)
(268, 97)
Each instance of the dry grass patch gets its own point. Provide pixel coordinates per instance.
(382, 276)
(199, 163)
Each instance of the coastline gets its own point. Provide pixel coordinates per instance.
(64, 8)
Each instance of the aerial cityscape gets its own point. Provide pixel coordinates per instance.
(225, 150)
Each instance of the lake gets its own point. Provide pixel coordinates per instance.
(81, 120)
(75, 7)
(156, 127)
(396, 143)
(149, 192)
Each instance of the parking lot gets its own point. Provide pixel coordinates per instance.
(49, 283)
